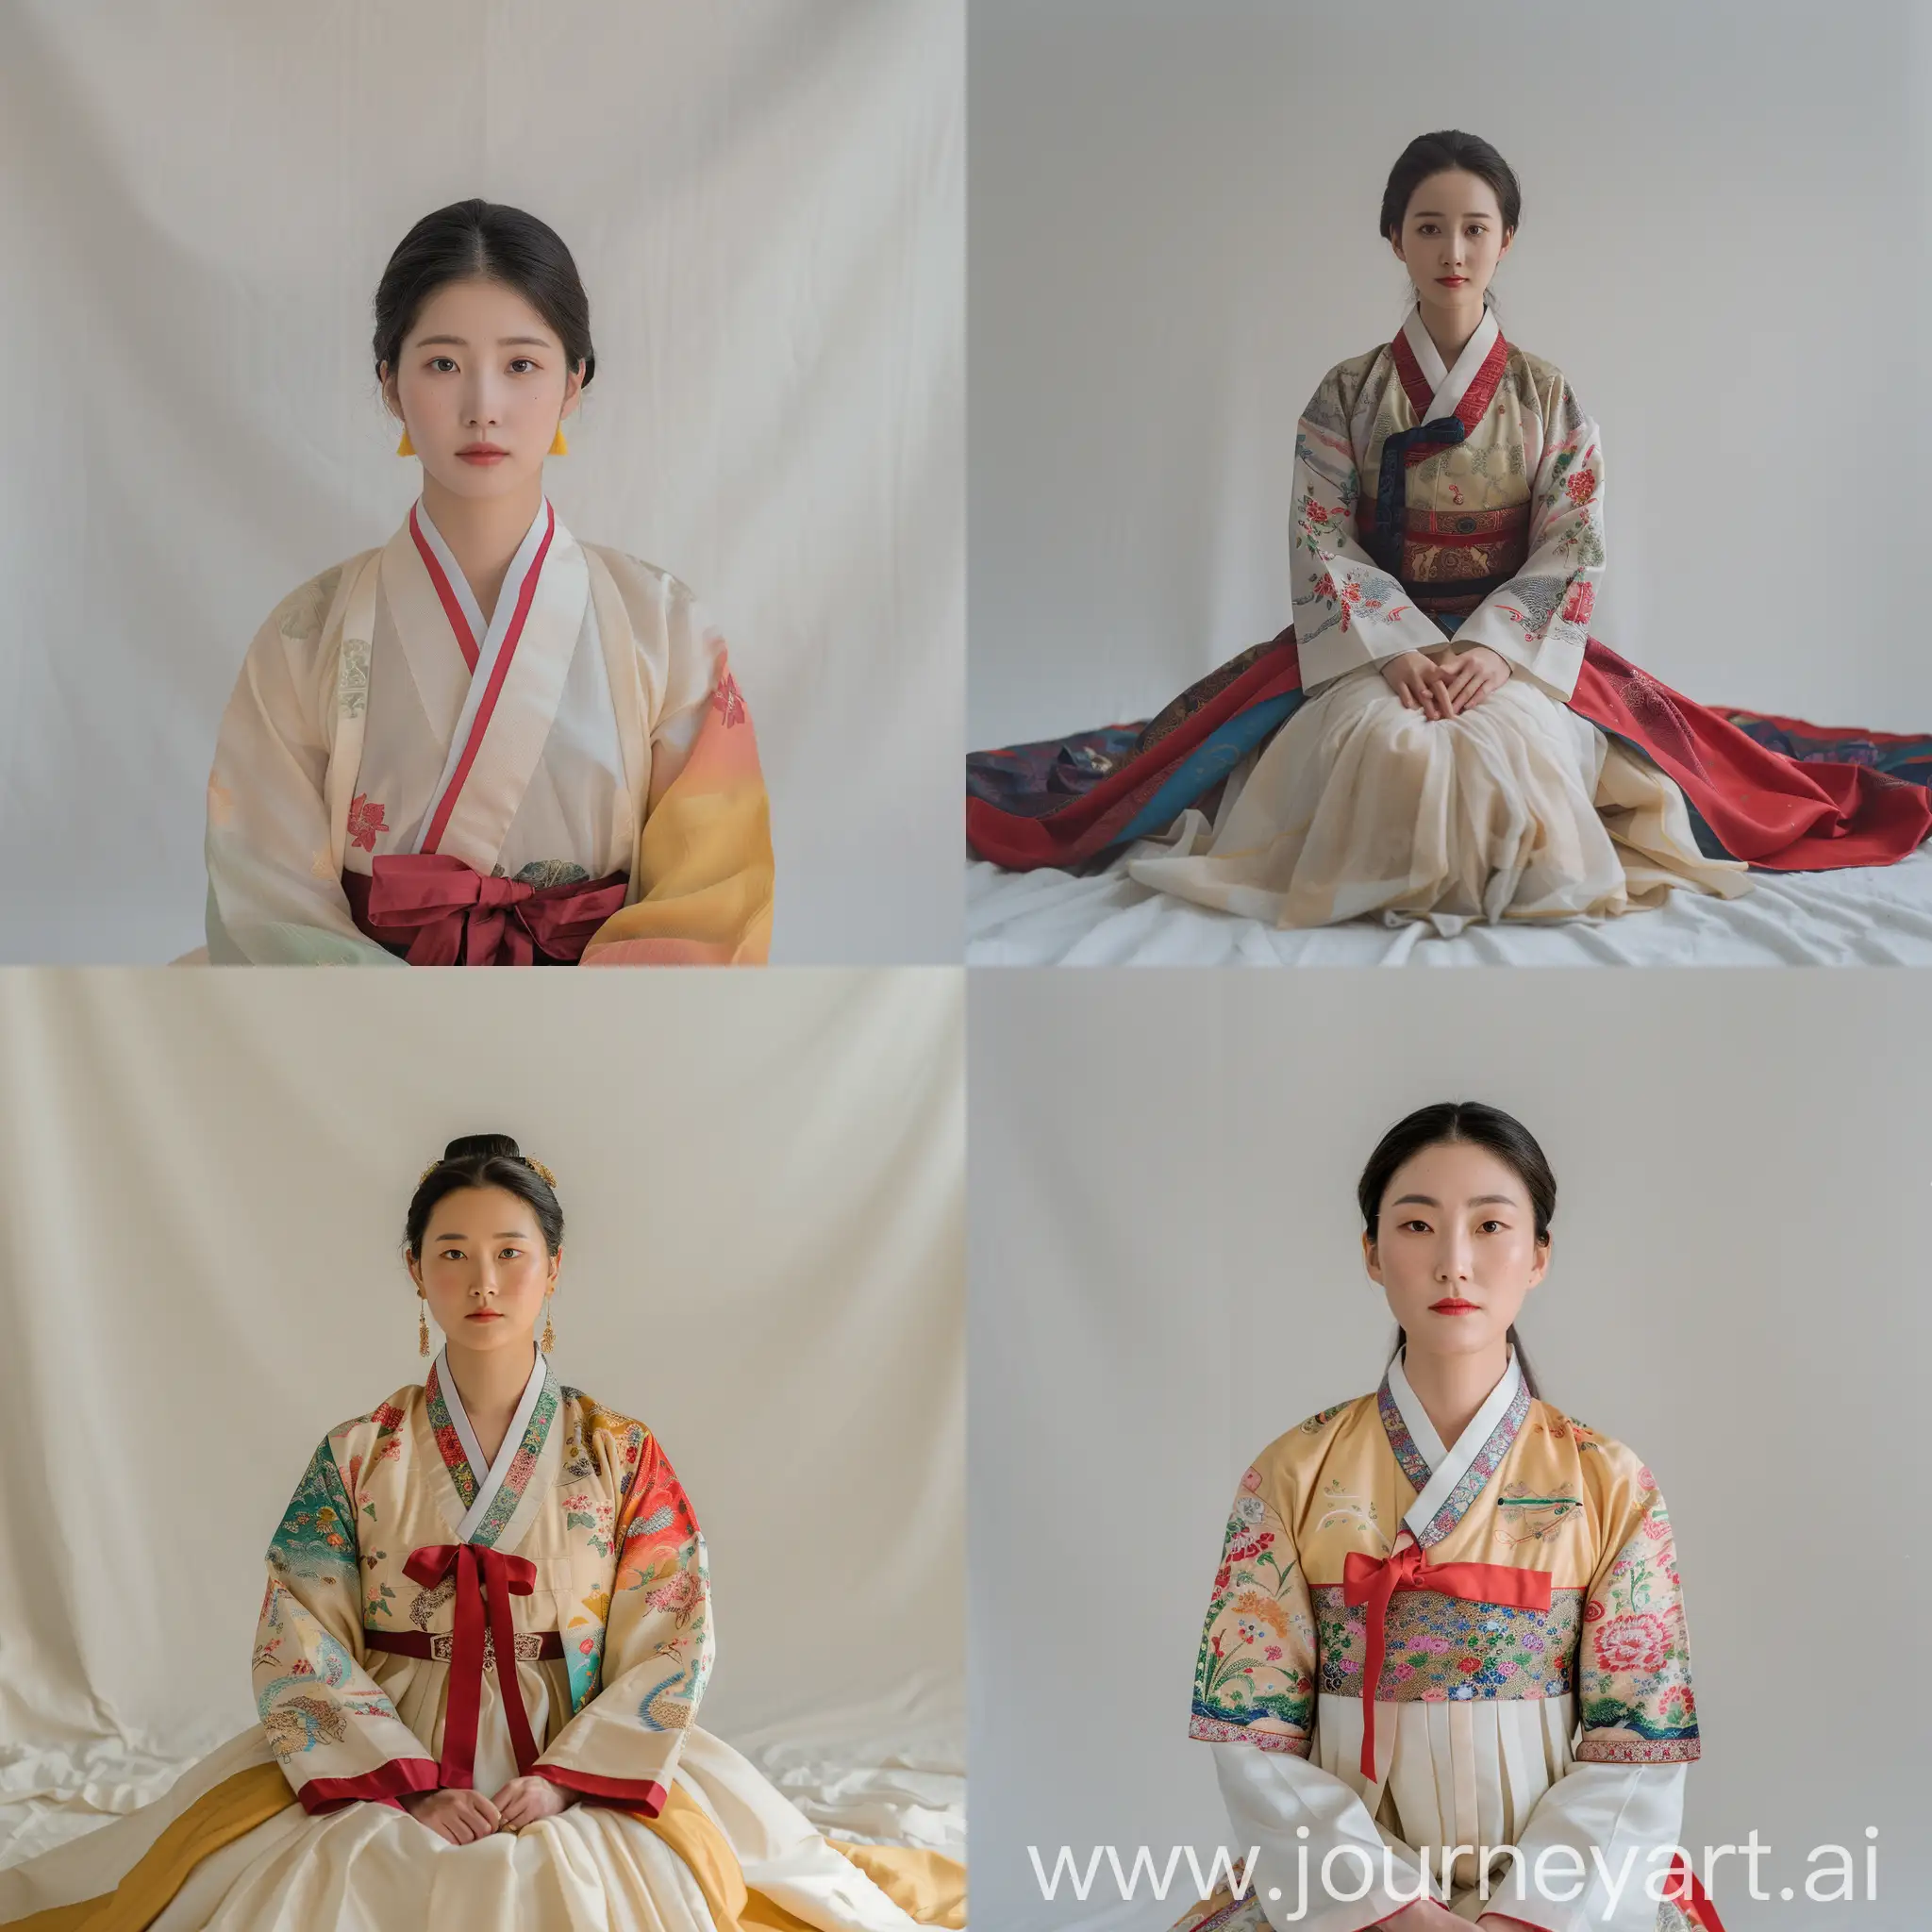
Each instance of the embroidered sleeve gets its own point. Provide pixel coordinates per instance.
(1348, 611)
(622, 1746)
(1634, 1693)
(1540, 620)
(337, 1738)
(275, 893)
(705, 870)
(1254, 1675)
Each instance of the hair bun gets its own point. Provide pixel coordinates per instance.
(482, 1147)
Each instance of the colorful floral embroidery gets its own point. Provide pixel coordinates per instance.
(1257, 1643)
(1579, 603)
(448, 1443)
(1313, 1427)
(1442, 1648)
(1409, 1458)
(728, 701)
(316, 1539)
(1476, 1478)
(1636, 1702)
(503, 1506)
(365, 821)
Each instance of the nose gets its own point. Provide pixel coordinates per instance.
(1452, 1256)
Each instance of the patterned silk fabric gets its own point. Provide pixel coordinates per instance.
(590, 1502)
(1545, 1493)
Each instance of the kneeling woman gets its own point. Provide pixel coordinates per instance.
(487, 744)
(1438, 735)
(486, 1632)
(1448, 1616)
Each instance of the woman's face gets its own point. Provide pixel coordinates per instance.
(1454, 1248)
(484, 1268)
(1452, 238)
(481, 372)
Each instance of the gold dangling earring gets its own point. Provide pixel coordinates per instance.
(422, 1323)
(557, 446)
(406, 448)
(549, 1333)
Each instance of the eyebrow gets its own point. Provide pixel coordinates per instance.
(453, 1233)
(1474, 214)
(502, 341)
(1474, 1201)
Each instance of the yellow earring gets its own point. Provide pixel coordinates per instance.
(422, 1324)
(406, 448)
(557, 446)
(549, 1333)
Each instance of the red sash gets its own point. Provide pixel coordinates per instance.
(480, 1638)
(1374, 1580)
(447, 913)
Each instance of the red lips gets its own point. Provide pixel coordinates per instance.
(1449, 1304)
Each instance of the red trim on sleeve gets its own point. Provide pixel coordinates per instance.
(634, 1793)
(398, 1775)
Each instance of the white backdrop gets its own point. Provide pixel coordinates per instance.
(205, 1182)
(1725, 242)
(1165, 1275)
(765, 202)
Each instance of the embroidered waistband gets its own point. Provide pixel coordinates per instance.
(529, 1644)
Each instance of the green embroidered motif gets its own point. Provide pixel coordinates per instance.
(316, 1538)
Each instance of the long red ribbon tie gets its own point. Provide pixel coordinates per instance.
(450, 914)
(478, 1572)
(1373, 1580)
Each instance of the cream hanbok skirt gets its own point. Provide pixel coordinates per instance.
(1517, 809)
(372, 1867)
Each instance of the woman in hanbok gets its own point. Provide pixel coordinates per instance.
(1438, 735)
(1444, 1673)
(487, 742)
(485, 1637)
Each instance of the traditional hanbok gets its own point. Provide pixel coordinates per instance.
(1417, 1658)
(1436, 510)
(435, 1620)
(575, 779)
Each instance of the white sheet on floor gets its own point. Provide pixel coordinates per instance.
(1865, 916)
(899, 1793)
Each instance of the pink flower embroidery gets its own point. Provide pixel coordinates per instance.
(365, 821)
(1639, 1643)
(1581, 486)
(1579, 603)
(728, 701)
(1252, 1480)
(676, 1593)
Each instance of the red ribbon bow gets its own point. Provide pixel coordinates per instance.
(450, 914)
(503, 1576)
(1373, 1580)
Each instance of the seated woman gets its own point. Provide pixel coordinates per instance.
(486, 1632)
(1444, 1673)
(1438, 735)
(487, 744)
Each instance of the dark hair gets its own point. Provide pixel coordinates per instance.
(483, 1161)
(1435, 154)
(473, 240)
(1487, 1127)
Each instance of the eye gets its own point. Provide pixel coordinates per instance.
(1415, 1227)
(441, 362)
(1492, 1226)
(523, 363)
(450, 1254)
(508, 1253)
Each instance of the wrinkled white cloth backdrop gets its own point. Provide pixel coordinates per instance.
(1725, 242)
(1165, 1275)
(766, 205)
(205, 1177)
